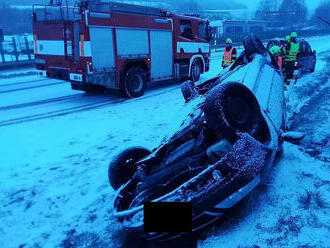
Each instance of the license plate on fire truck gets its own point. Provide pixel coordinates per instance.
(76, 77)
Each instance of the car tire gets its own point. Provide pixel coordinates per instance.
(121, 168)
(196, 70)
(188, 91)
(253, 45)
(232, 108)
(134, 83)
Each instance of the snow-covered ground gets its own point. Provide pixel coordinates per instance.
(53, 171)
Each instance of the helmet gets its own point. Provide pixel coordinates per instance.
(287, 38)
(275, 50)
(293, 35)
(229, 41)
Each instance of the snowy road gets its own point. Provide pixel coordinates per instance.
(53, 170)
(36, 98)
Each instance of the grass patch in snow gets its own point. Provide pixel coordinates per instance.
(83, 240)
(311, 199)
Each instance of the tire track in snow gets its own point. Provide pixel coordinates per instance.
(32, 87)
(313, 118)
(30, 104)
(70, 110)
(24, 82)
(59, 112)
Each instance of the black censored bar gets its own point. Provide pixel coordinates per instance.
(167, 217)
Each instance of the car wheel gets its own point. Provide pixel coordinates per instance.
(188, 91)
(196, 70)
(230, 108)
(253, 45)
(122, 168)
(135, 82)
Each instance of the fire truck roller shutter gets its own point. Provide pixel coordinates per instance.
(132, 42)
(102, 48)
(161, 54)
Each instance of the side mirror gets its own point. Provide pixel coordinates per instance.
(293, 137)
(208, 34)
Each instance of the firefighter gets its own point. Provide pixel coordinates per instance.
(276, 51)
(291, 56)
(284, 49)
(229, 54)
(286, 45)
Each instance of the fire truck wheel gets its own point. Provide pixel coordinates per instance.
(122, 168)
(196, 70)
(135, 82)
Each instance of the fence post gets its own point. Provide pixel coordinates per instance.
(15, 49)
(2, 53)
(27, 48)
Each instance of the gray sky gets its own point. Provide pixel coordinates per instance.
(251, 4)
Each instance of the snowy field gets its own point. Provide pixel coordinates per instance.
(54, 186)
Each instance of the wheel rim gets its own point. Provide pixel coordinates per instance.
(238, 111)
(136, 83)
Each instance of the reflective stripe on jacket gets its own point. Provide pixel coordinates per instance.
(294, 49)
(227, 57)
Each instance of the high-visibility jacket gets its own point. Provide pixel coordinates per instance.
(227, 57)
(293, 52)
(280, 61)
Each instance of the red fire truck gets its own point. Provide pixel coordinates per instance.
(118, 46)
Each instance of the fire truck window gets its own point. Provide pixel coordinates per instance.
(202, 31)
(185, 29)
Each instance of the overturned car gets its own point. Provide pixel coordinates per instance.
(221, 152)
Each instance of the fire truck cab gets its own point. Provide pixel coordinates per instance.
(118, 46)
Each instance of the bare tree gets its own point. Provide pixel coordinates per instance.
(189, 7)
(265, 7)
(321, 13)
(293, 12)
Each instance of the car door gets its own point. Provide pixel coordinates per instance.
(303, 57)
(311, 58)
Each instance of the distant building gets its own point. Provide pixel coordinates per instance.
(244, 26)
(275, 18)
(221, 27)
(223, 14)
(217, 29)
(236, 29)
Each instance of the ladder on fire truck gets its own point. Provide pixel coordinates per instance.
(57, 11)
